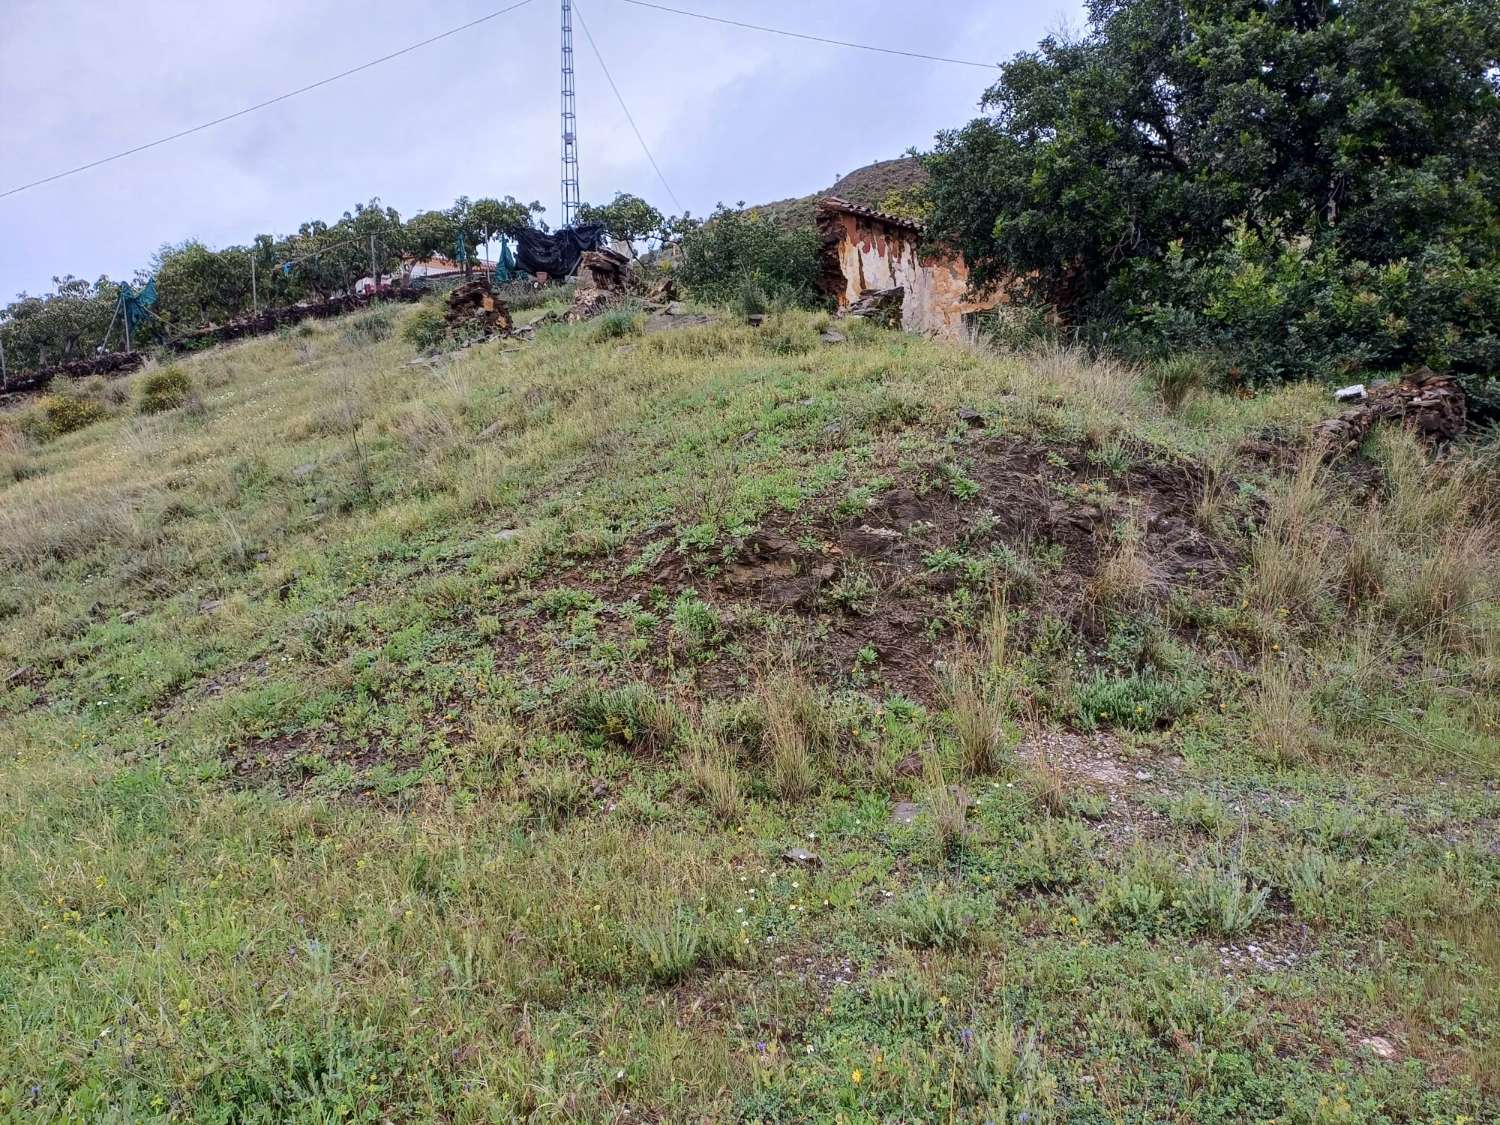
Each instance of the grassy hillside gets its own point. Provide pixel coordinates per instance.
(867, 186)
(391, 742)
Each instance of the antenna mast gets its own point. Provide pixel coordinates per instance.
(571, 199)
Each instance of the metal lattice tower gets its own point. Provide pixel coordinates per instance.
(571, 200)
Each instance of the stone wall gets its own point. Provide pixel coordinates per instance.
(865, 250)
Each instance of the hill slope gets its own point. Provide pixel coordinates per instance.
(715, 725)
(867, 186)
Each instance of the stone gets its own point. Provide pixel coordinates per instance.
(1350, 394)
(832, 337)
(970, 417)
(801, 856)
(507, 535)
(1380, 1047)
(905, 812)
(755, 320)
(307, 470)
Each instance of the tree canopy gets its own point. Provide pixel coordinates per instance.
(628, 218)
(199, 286)
(1264, 178)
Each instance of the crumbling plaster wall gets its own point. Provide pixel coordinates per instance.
(875, 255)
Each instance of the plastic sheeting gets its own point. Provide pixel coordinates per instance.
(557, 255)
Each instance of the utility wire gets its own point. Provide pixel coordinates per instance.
(811, 38)
(583, 23)
(269, 101)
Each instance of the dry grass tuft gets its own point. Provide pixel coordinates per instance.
(716, 781)
(1289, 558)
(980, 716)
(948, 807)
(1366, 558)
(795, 730)
(1281, 721)
(1124, 580)
(1441, 590)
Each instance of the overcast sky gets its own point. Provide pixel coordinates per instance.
(730, 114)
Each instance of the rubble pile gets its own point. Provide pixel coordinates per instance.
(111, 363)
(883, 306)
(474, 309)
(601, 283)
(270, 320)
(1432, 406)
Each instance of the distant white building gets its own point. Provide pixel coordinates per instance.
(427, 271)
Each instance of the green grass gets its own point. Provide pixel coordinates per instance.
(423, 743)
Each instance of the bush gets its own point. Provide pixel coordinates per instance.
(426, 329)
(741, 256)
(165, 390)
(1277, 312)
(65, 413)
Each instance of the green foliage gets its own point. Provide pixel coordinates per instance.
(670, 950)
(66, 414)
(67, 323)
(632, 715)
(628, 218)
(368, 328)
(164, 390)
(734, 248)
(617, 324)
(425, 329)
(1141, 701)
(938, 919)
(1305, 190)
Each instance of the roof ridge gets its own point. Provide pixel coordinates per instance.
(836, 203)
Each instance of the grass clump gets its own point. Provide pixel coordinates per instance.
(618, 324)
(370, 327)
(60, 414)
(426, 328)
(164, 390)
(795, 732)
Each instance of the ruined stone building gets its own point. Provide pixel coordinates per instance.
(865, 250)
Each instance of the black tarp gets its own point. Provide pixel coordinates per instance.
(557, 254)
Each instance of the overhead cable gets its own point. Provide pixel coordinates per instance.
(623, 107)
(269, 101)
(810, 38)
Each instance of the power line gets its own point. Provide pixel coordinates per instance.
(810, 38)
(583, 23)
(269, 101)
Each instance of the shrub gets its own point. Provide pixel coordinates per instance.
(425, 329)
(165, 390)
(65, 414)
(1142, 701)
(672, 948)
(556, 796)
(743, 254)
(1220, 902)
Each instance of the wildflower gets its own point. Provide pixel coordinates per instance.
(857, 1076)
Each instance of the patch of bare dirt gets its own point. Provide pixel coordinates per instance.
(884, 579)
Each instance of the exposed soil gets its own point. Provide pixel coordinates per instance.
(885, 578)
